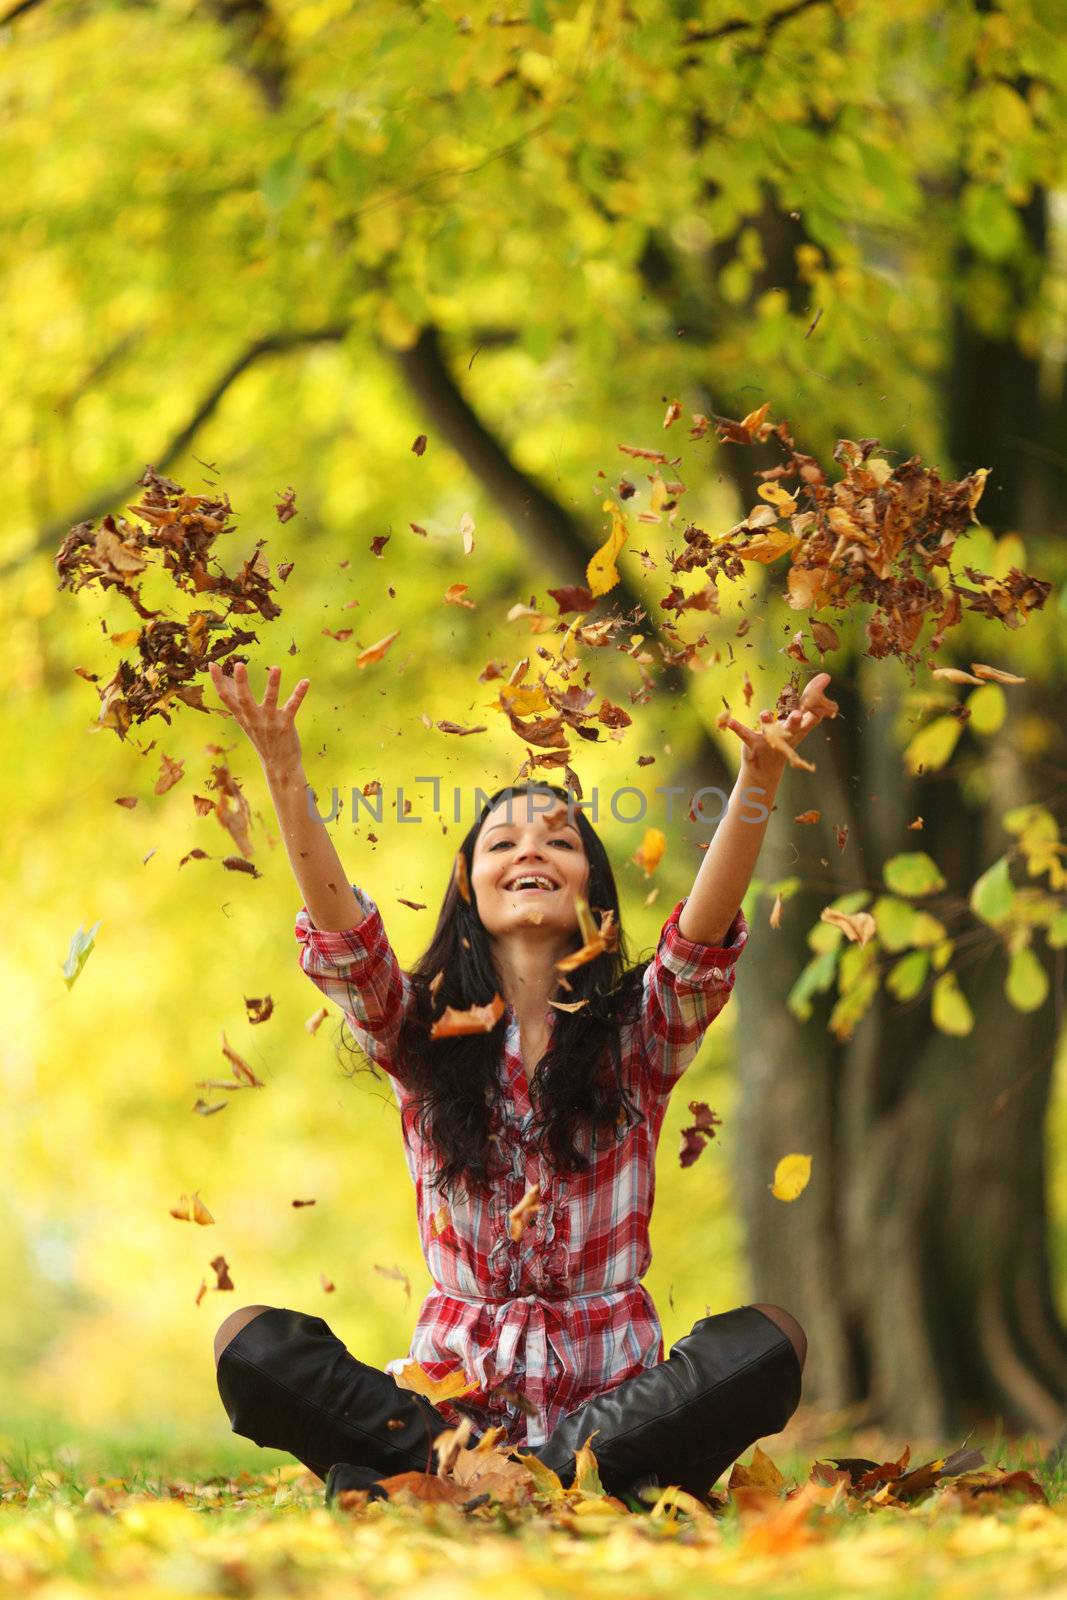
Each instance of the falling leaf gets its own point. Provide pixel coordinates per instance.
(954, 675)
(475, 1019)
(328, 1286)
(699, 1133)
(205, 1110)
(419, 447)
(775, 918)
(454, 596)
(241, 1070)
(221, 1270)
(791, 1177)
(414, 1377)
(440, 1220)
(398, 1275)
(808, 817)
(649, 853)
(303, 1202)
(859, 926)
(81, 946)
(127, 800)
(601, 573)
(993, 674)
(317, 1018)
(191, 1208)
(375, 652)
(286, 509)
(466, 528)
(259, 1010)
(522, 1214)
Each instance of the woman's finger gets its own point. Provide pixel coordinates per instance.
(292, 705)
(270, 694)
(747, 735)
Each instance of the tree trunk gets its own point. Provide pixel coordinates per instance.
(917, 1258)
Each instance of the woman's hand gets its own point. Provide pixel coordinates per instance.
(767, 749)
(270, 728)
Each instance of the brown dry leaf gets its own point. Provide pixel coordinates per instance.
(170, 773)
(775, 918)
(127, 800)
(440, 1219)
(422, 1488)
(240, 1068)
(917, 824)
(221, 1270)
(231, 807)
(808, 817)
(993, 674)
(491, 1472)
(476, 1019)
(523, 1213)
(328, 1284)
(454, 596)
(398, 1275)
(448, 1444)
(858, 926)
(316, 1019)
(414, 1377)
(259, 1010)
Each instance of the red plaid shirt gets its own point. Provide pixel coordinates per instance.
(561, 1314)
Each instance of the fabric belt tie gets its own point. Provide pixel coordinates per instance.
(527, 1325)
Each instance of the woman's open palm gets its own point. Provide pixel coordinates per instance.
(270, 727)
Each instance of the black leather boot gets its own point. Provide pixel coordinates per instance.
(731, 1381)
(288, 1382)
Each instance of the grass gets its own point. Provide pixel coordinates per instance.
(151, 1515)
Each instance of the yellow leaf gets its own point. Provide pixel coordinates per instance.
(932, 745)
(650, 851)
(601, 573)
(761, 1472)
(949, 1007)
(791, 1177)
(767, 546)
(414, 1377)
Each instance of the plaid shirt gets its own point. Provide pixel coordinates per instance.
(561, 1314)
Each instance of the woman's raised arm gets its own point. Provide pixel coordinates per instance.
(271, 730)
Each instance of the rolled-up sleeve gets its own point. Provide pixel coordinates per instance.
(358, 969)
(686, 986)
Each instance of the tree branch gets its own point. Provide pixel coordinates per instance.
(273, 344)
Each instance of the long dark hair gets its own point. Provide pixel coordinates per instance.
(578, 1093)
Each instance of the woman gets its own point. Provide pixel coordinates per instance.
(531, 1146)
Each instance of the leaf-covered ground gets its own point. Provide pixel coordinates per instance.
(81, 1526)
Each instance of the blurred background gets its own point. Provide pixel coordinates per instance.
(270, 244)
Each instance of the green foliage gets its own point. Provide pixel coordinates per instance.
(501, 175)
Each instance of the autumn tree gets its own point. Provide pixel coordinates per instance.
(848, 212)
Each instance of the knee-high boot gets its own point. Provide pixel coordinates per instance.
(288, 1382)
(731, 1381)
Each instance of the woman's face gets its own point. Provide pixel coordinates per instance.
(524, 836)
